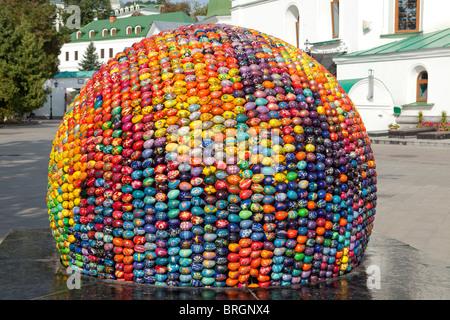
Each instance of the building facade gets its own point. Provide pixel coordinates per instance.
(391, 56)
(394, 53)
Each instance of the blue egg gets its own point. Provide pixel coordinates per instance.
(268, 199)
(256, 168)
(245, 233)
(232, 227)
(281, 187)
(292, 195)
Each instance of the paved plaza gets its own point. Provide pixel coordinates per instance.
(413, 188)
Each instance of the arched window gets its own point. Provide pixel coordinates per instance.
(105, 32)
(137, 29)
(79, 35)
(91, 34)
(292, 24)
(128, 30)
(113, 32)
(422, 86)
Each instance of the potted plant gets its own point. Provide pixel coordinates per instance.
(393, 126)
(420, 116)
(443, 122)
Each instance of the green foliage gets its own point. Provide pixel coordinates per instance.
(168, 6)
(192, 7)
(420, 116)
(198, 9)
(90, 59)
(89, 10)
(29, 49)
(443, 119)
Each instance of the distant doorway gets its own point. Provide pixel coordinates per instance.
(69, 96)
(292, 26)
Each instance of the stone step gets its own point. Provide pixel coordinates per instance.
(409, 132)
(436, 135)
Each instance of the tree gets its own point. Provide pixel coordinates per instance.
(191, 8)
(168, 6)
(198, 9)
(90, 59)
(89, 9)
(29, 49)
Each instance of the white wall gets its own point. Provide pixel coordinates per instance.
(399, 73)
(377, 112)
(217, 20)
(73, 65)
(56, 101)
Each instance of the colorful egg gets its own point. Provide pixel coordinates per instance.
(212, 155)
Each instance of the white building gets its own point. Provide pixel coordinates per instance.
(403, 44)
(128, 11)
(109, 36)
(391, 56)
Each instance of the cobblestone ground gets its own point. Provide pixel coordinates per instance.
(414, 196)
(413, 188)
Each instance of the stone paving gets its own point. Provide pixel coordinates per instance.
(413, 186)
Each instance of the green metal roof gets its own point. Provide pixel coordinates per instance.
(347, 84)
(219, 8)
(121, 24)
(432, 40)
(74, 74)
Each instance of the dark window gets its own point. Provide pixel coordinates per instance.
(67, 56)
(102, 53)
(422, 86)
(76, 55)
(407, 15)
(110, 52)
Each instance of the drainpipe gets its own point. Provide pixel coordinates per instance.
(370, 92)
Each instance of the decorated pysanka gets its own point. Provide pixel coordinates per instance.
(212, 155)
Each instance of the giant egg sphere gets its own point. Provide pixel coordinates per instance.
(212, 155)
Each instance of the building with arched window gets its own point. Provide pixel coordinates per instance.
(114, 35)
(393, 55)
(410, 56)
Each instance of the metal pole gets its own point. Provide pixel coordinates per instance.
(51, 104)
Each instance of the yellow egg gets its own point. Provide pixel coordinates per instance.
(310, 147)
(267, 161)
(229, 115)
(288, 148)
(298, 129)
(277, 149)
(183, 149)
(209, 170)
(280, 177)
(197, 124)
(274, 123)
(171, 147)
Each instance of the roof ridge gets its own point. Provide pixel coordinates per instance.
(413, 42)
(420, 38)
